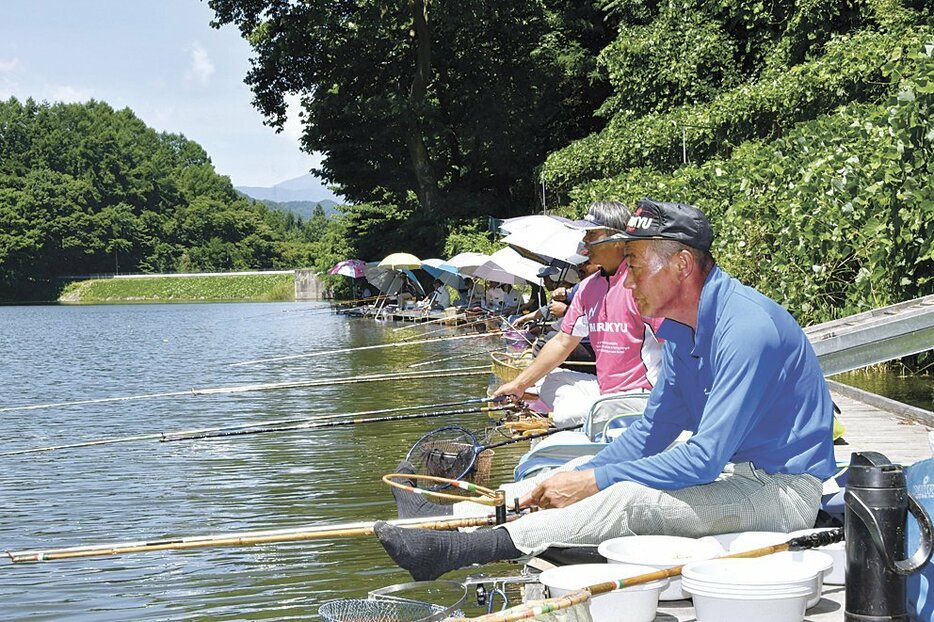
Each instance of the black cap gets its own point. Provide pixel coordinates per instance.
(655, 220)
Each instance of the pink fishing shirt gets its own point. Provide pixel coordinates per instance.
(628, 354)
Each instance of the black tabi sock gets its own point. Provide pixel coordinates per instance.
(413, 505)
(428, 554)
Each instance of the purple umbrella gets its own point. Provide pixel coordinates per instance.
(349, 267)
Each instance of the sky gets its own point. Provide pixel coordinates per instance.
(161, 59)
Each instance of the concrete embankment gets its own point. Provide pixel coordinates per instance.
(276, 285)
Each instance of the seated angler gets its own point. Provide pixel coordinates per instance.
(626, 351)
(738, 372)
(438, 299)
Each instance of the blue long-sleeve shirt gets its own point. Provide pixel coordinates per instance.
(748, 386)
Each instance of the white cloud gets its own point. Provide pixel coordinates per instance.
(8, 65)
(201, 66)
(69, 94)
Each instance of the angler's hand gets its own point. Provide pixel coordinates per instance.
(512, 389)
(558, 309)
(561, 490)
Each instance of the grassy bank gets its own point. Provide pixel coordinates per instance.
(253, 287)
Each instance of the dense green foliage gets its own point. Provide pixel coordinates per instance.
(257, 287)
(85, 189)
(834, 217)
(802, 128)
(427, 111)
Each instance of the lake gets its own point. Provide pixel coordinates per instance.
(145, 490)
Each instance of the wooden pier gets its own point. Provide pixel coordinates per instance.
(896, 435)
(900, 433)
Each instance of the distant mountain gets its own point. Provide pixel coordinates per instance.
(304, 209)
(306, 188)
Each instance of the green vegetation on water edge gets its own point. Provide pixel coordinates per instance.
(249, 287)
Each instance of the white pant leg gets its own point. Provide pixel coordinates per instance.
(570, 395)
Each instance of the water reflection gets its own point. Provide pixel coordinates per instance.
(148, 489)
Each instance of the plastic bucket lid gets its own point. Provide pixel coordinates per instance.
(749, 573)
(658, 551)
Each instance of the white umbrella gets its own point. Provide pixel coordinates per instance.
(548, 237)
(401, 261)
(466, 263)
(508, 266)
(444, 272)
(387, 280)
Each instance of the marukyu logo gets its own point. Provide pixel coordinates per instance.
(639, 222)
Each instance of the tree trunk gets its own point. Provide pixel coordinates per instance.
(427, 186)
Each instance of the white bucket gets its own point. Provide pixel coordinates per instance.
(740, 541)
(659, 552)
(837, 550)
(640, 602)
(749, 540)
(821, 562)
(737, 590)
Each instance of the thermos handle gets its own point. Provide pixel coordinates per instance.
(925, 538)
(919, 557)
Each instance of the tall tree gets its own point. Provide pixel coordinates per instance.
(455, 103)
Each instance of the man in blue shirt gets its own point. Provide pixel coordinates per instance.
(738, 373)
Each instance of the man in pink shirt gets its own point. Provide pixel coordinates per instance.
(628, 354)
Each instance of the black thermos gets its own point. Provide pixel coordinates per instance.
(877, 506)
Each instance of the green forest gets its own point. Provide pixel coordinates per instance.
(802, 127)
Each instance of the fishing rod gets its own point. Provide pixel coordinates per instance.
(353, 301)
(439, 330)
(160, 435)
(524, 612)
(295, 534)
(395, 344)
(477, 370)
(518, 331)
(313, 425)
(448, 318)
(450, 358)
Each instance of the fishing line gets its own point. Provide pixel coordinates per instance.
(161, 435)
(396, 344)
(452, 358)
(478, 370)
(312, 425)
(416, 324)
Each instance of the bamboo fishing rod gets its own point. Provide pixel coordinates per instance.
(524, 612)
(295, 534)
(396, 344)
(158, 436)
(477, 370)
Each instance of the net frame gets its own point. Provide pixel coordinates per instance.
(382, 610)
(483, 495)
(469, 460)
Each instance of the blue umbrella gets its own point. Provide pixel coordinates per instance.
(444, 272)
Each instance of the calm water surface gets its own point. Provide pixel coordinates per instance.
(146, 490)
